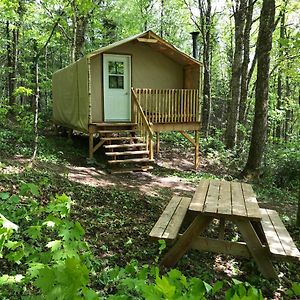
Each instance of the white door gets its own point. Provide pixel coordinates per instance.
(117, 83)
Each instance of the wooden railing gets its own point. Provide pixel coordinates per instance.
(169, 105)
(143, 124)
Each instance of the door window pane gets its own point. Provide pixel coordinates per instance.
(116, 82)
(116, 67)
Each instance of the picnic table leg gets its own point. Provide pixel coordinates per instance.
(222, 229)
(259, 253)
(185, 241)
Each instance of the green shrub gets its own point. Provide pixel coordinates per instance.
(44, 256)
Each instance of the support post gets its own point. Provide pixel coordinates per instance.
(150, 143)
(91, 145)
(197, 161)
(222, 229)
(70, 133)
(157, 142)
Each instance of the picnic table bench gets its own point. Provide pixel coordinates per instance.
(264, 235)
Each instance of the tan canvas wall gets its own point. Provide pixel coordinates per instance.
(96, 88)
(70, 96)
(151, 69)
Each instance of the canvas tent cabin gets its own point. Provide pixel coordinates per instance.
(127, 91)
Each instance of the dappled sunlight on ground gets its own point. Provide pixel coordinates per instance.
(146, 183)
(15, 166)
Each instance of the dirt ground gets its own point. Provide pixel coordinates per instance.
(163, 175)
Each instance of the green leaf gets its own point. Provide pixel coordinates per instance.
(236, 282)
(6, 279)
(242, 290)
(217, 287)
(16, 256)
(46, 279)
(253, 292)
(175, 274)
(162, 245)
(29, 188)
(14, 199)
(165, 287)
(34, 269)
(34, 231)
(60, 204)
(4, 196)
(207, 286)
(8, 224)
(13, 245)
(89, 294)
(235, 297)
(296, 288)
(54, 245)
(197, 287)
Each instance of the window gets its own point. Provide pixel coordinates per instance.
(116, 75)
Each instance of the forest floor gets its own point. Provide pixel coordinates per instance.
(118, 211)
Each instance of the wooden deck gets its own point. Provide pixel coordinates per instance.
(153, 111)
(161, 110)
(169, 105)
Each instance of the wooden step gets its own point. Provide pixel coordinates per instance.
(115, 124)
(118, 131)
(121, 138)
(116, 146)
(130, 160)
(137, 152)
(131, 170)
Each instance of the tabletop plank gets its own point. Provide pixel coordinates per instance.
(224, 205)
(252, 207)
(225, 198)
(212, 198)
(238, 201)
(197, 203)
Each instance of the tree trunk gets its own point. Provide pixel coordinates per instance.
(233, 107)
(74, 32)
(36, 102)
(278, 129)
(260, 126)
(245, 74)
(162, 18)
(288, 112)
(298, 210)
(206, 37)
(278, 104)
(82, 22)
(11, 63)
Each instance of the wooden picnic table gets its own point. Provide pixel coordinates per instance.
(263, 233)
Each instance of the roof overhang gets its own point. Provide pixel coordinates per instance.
(152, 40)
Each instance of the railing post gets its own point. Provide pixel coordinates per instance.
(151, 147)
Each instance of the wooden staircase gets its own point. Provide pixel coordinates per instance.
(124, 148)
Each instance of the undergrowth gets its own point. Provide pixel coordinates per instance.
(112, 226)
(45, 256)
